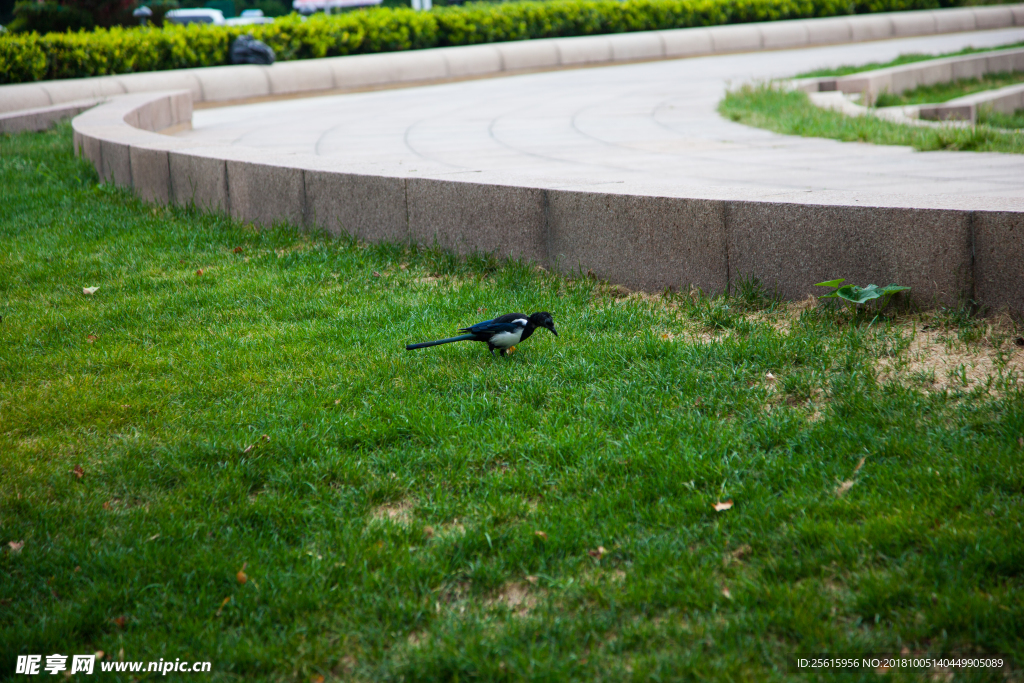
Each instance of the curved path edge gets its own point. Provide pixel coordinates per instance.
(356, 72)
(950, 250)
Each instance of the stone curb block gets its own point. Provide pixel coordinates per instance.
(469, 217)
(369, 207)
(946, 255)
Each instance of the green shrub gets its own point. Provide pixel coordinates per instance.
(22, 58)
(29, 57)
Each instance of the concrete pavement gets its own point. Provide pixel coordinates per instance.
(653, 124)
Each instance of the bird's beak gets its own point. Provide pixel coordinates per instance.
(552, 328)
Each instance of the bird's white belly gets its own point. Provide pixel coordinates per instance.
(503, 340)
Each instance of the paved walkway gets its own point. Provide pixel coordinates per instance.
(651, 125)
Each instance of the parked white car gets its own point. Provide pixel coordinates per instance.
(196, 16)
(310, 6)
(249, 16)
(205, 15)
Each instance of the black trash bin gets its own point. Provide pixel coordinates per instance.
(248, 50)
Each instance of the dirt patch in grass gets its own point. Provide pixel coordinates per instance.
(417, 638)
(516, 596)
(937, 360)
(783, 317)
(452, 528)
(399, 512)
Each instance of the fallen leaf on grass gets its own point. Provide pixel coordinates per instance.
(199, 272)
(770, 378)
(223, 602)
(16, 546)
(316, 678)
(241, 575)
(120, 621)
(248, 448)
(597, 553)
(844, 487)
(848, 484)
(100, 654)
(721, 507)
(92, 338)
(376, 274)
(726, 593)
(541, 535)
(89, 291)
(78, 471)
(237, 250)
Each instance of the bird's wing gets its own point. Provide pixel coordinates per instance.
(495, 327)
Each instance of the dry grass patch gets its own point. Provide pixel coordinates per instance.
(783, 317)
(937, 360)
(399, 512)
(452, 528)
(517, 596)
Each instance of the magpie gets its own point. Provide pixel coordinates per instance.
(501, 333)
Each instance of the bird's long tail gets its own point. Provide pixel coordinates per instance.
(449, 340)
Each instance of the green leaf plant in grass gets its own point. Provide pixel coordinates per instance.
(861, 295)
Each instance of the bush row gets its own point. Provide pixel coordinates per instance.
(33, 57)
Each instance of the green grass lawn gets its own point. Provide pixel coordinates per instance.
(444, 515)
(792, 113)
(998, 119)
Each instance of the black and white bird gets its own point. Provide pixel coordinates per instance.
(501, 333)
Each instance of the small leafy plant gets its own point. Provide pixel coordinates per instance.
(861, 295)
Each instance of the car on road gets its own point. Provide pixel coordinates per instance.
(206, 15)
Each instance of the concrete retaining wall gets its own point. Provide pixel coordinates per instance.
(225, 83)
(898, 79)
(1005, 100)
(946, 252)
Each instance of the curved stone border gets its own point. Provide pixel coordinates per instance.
(947, 250)
(226, 83)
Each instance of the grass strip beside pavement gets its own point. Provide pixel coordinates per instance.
(224, 453)
(998, 119)
(909, 58)
(792, 113)
(943, 92)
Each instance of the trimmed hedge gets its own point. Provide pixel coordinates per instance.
(34, 57)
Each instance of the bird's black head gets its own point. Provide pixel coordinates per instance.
(544, 319)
